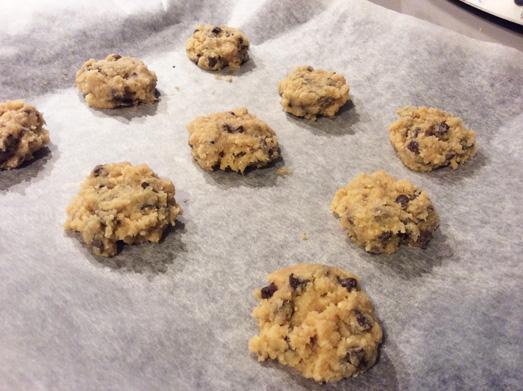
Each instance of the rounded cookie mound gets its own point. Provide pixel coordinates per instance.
(316, 319)
(427, 138)
(116, 81)
(216, 47)
(22, 133)
(380, 213)
(308, 92)
(122, 203)
(232, 139)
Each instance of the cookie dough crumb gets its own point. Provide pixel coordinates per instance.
(318, 320)
(122, 203)
(215, 47)
(304, 236)
(116, 82)
(232, 140)
(380, 213)
(428, 138)
(308, 92)
(283, 171)
(22, 133)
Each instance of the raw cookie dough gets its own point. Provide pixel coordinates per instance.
(22, 133)
(308, 92)
(316, 319)
(380, 213)
(232, 139)
(427, 138)
(116, 82)
(122, 203)
(215, 47)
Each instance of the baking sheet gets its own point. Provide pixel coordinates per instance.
(177, 315)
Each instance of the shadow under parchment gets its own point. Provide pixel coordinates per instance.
(412, 262)
(446, 175)
(382, 376)
(252, 177)
(149, 258)
(340, 125)
(126, 114)
(28, 170)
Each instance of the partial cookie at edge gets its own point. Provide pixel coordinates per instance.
(22, 133)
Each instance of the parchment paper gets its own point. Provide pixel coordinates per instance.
(177, 315)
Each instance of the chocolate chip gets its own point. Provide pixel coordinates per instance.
(439, 130)
(212, 61)
(231, 129)
(268, 291)
(98, 243)
(403, 236)
(232, 113)
(295, 282)
(424, 239)
(416, 132)
(116, 56)
(145, 185)
(326, 101)
(127, 99)
(99, 170)
(385, 237)
(348, 283)
(195, 31)
(362, 320)
(310, 69)
(211, 142)
(413, 146)
(217, 30)
(403, 200)
(356, 357)
(465, 144)
(10, 146)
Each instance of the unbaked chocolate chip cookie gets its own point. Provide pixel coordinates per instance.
(116, 81)
(216, 47)
(22, 133)
(316, 319)
(122, 203)
(232, 140)
(380, 213)
(427, 138)
(308, 92)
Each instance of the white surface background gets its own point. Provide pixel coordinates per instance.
(177, 315)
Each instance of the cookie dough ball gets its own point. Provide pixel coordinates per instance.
(308, 92)
(427, 138)
(22, 133)
(316, 319)
(380, 213)
(122, 203)
(116, 82)
(216, 47)
(232, 140)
